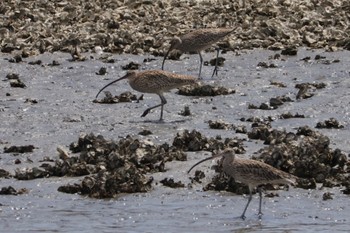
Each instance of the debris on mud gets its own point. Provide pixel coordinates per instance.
(290, 51)
(279, 100)
(54, 63)
(16, 59)
(122, 98)
(327, 196)
(131, 66)
(346, 184)
(169, 182)
(304, 88)
(195, 141)
(315, 85)
(109, 167)
(186, 111)
(30, 173)
(278, 84)
(32, 101)
(12, 76)
(15, 81)
(265, 65)
(220, 124)
(204, 90)
(102, 71)
(19, 149)
(273, 104)
(145, 132)
(263, 106)
(305, 154)
(198, 175)
(289, 115)
(9, 190)
(220, 61)
(4, 174)
(329, 124)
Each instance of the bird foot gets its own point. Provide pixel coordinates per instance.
(145, 113)
(260, 214)
(243, 217)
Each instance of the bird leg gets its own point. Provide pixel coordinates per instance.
(216, 63)
(249, 200)
(163, 102)
(200, 65)
(260, 201)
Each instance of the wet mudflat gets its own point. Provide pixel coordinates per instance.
(56, 106)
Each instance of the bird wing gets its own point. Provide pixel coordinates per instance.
(257, 172)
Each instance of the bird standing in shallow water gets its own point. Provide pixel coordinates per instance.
(155, 82)
(198, 40)
(252, 173)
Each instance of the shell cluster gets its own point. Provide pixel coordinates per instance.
(43, 26)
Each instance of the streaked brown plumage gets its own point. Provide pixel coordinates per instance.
(155, 82)
(198, 40)
(252, 173)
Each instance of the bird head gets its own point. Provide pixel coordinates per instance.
(129, 74)
(225, 153)
(176, 41)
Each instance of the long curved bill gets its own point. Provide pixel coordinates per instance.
(203, 160)
(167, 53)
(124, 77)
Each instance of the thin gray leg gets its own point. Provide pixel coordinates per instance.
(201, 63)
(246, 207)
(260, 201)
(163, 102)
(216, 63)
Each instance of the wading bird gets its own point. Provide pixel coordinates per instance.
(252, 173)
(199, 40)
(155, 82)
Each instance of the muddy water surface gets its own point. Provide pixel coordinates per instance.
(65, 108)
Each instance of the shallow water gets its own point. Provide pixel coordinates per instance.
(65, 109)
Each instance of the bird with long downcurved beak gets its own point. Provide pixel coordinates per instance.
(155, 82)
(250, 172)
